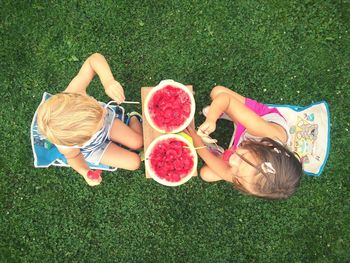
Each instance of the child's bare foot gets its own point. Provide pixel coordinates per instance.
(93, 178)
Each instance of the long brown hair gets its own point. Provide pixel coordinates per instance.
(281, 183)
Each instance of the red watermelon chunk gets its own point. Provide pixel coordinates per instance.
(170, 160)
(169, 108)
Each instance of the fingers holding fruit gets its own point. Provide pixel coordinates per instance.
(206, 128)
(93, 178)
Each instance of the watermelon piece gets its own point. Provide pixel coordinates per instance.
(94, 175)
(169, 108)
(170, 160)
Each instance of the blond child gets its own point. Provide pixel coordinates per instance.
(84, 129)
(258, 163)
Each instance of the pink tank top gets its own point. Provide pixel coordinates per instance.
(261, 110)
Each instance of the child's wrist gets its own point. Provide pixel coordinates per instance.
(106, 83)
(197, 141)
(84, 173)
(211, 119)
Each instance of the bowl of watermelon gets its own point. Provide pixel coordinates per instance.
(171, 160)
(169, 107)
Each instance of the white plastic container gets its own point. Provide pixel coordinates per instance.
(160, 86)
(152, 173)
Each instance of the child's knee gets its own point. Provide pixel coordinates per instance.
(134, 162)
(204, 174)
(208, 175)
(137, 143)
(216, 90)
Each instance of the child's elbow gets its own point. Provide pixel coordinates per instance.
(96, 55)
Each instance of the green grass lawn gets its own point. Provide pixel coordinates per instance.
(297, 51)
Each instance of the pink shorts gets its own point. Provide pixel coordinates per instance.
(260, 109)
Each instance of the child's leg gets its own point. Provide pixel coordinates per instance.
(130, 137)
(221, 89)
(117, 156)
(208, 174)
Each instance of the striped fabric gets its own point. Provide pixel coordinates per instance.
(99, 138)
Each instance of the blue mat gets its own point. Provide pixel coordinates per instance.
(310, 134)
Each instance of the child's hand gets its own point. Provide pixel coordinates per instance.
(197, 141)
(93, 178)
(206, 128)
(115, 91)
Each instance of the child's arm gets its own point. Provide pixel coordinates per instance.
(219, 166)
(240, 113)
(77, 161)
(96, 64)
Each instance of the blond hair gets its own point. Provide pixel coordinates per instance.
(69, 118)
